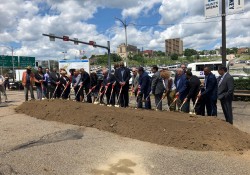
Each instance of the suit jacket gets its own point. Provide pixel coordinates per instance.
(182, 87)
(157, 86)
(32, 78)
(54, 77)
(145, 84)
(194, 87)
(211, 87)
(109, 79)
(85, 79)
(225, 87)
(123, 78)
(39, 77)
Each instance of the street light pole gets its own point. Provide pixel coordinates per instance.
(125, 25)
(13, 64)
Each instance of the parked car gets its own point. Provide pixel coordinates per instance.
(247, 62)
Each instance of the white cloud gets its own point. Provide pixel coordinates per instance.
(24, 22)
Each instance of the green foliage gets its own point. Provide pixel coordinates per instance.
(174, 56)
(190, 52)
(159, 53)
(115, 58)
(242, 84)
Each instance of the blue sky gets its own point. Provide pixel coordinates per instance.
(22, 27)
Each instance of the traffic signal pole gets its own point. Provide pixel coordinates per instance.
(223, 25)
(76, 41)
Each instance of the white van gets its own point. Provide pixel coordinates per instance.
(197, 68)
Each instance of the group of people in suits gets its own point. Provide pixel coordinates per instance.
(114, 88)
(184, 88)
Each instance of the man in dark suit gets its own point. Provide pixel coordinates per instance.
(208, 97)
(122, 75)
(86, 84)
(145, 88)
(181, 89)
(108, 80)
(157, 87)
(225, 93)
(193, 87)
(54, 82)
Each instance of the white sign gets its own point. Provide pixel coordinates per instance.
(211, 8)
(235, 6)
(74, 64)
(19, 74)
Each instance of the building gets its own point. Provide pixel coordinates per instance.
(131, 50)
(242, 50)
(174, 46)
(148, 53)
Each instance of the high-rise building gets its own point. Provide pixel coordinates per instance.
(174, 46)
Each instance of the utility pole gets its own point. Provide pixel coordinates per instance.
(224, 47)
(125, 25)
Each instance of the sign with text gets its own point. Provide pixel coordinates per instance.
(6, 61)
(211, 8)
(235, 6)
(25, 61)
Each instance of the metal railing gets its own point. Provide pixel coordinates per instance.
(246, 70)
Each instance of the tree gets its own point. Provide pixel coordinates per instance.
(115, 58)
(190, 52)
(174, 56)
(84, 57)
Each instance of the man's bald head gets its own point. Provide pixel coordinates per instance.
(179, 71)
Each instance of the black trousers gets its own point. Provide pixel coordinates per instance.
(158, 101)
(89, 100)
(110, 99)
(210, 105)
(124, 97)
(226, 105)
(146, 100)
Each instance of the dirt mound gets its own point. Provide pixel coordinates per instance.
(164, 128)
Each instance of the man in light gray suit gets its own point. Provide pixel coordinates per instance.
(225, 93)
(157, 87)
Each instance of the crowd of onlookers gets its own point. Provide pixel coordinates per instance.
(114, 88)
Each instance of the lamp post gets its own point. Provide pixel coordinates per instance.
(125, 25)
(13, 61)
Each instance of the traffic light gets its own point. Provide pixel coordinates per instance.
(65, 38)
(92, 43)
(75, 41)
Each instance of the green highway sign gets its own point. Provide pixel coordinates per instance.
(6, 61)
(25, 61)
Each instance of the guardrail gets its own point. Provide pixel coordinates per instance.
(242, 95)
(246, 70)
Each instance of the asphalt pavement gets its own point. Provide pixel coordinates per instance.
(36, 147)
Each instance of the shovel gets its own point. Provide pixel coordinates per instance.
(196, 101)
(99, 94)
(105, 91)
(65, 87)
(137, 95)
(113, 85)
(185, 100)
(118, 105)
(54, 92)
(78, 91)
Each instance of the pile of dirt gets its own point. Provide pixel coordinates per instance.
(165, 128)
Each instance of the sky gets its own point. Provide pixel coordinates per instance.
(150, 22)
